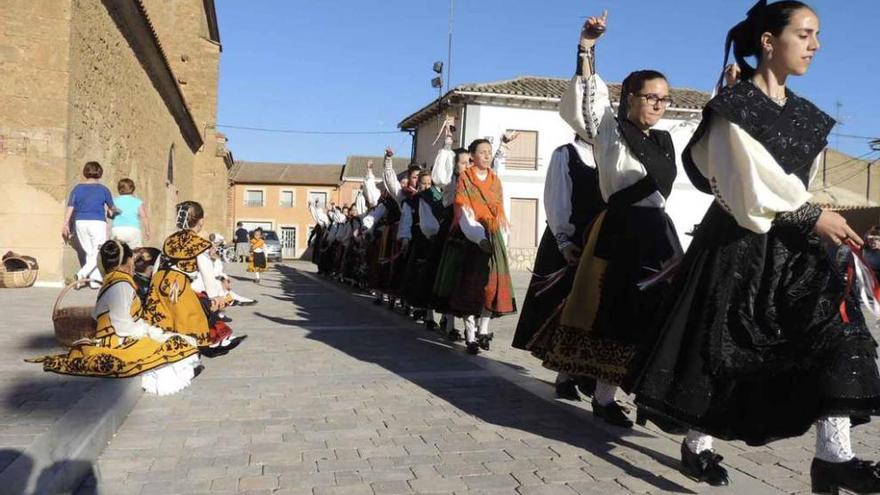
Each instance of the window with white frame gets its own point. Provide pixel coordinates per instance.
(253, 198)
(286, 199)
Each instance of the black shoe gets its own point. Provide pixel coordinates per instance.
(856, 476)
(567, 390)
(665, 424)
(225, 319)
(378, 301)
(212, 352)
(613, 414)
(704, 467)
(454, 335)
(198, 370)
(419, 314)
(245, 303)
(431, 326)
(586, 385)
(473, 348)
(484, 339)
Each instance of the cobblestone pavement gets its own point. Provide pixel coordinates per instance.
(332, 395)
(31, 401)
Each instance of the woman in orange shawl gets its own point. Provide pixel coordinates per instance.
(484, 287)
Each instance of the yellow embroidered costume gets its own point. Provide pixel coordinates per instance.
(258, 256)
(124, 345)
(172, 304)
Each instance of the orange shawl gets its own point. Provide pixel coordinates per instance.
(484, 197)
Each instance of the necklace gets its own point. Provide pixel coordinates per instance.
(779, 101)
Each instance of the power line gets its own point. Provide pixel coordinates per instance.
(851, 136)
(852, 159)
(837, 183)
(298, 131)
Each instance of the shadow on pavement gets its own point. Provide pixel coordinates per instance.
(337, 319)
(18, 469)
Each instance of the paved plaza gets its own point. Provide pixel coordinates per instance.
(333, 395)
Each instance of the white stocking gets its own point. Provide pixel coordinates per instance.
(832, 439)
(485, 317)
(604, 393)
(698, 442)
(470, 329)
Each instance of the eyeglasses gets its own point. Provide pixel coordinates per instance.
(655, 100)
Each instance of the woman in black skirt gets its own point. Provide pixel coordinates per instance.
(760, 340)
(599, 329)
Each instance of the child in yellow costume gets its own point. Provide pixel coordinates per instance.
(124, 345)
(257, 263)
(171, 303)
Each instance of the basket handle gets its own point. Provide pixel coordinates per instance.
(63, 293)
(19, 258)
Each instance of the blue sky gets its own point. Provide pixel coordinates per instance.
(363, 65)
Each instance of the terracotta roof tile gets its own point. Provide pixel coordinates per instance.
(356, 166)
(286, 173)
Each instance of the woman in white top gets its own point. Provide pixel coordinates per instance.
(597, 332)
(760, 339)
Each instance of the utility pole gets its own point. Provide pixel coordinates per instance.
(839, 105)
(449, 48)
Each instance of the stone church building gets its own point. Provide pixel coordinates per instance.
(131, 84)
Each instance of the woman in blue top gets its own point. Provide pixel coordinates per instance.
(130, 225)
(88, 206)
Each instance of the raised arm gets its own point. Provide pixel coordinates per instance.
(371, 192)
(586, 105)
(390, 177)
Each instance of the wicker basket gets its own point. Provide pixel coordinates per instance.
(73, 323)
(17, 273)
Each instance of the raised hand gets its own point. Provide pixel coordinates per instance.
(594, 28)
(731, 74)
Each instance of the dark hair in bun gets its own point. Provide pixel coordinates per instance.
(633, 84)
(745, 37)
(188, 214)
(113, 254)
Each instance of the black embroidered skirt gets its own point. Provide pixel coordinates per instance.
(606, 318)
(536, 310)
(419, 275)
(751, 345)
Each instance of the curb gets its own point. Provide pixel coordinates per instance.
(59, 460)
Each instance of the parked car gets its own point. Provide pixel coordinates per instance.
(273, 245)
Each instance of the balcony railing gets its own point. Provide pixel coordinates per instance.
(254, 203)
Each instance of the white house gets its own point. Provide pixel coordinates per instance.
(530, 105)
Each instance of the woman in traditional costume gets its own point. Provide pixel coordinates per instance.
(604, 319)
(448, 167)
(172, 304)
(401, 188)
(483, 288)
(418, 279)
(571, 200)
(124, 344)
(257, 263)
(760, 339)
